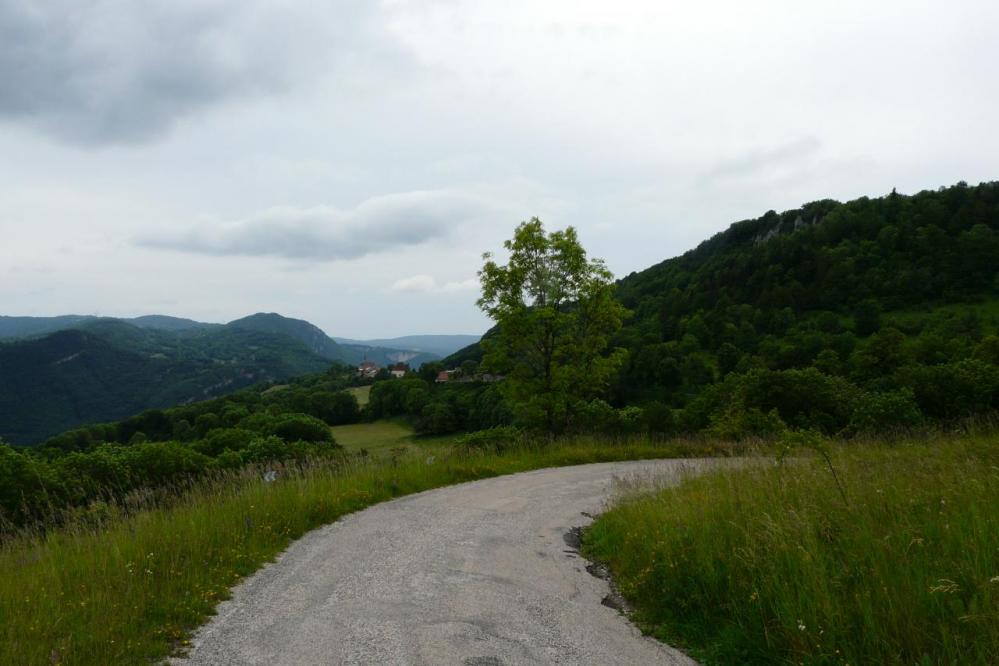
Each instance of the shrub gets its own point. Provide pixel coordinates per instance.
(25, 486)
(597, 416)
(162, 463)
(301, 427)
(628, 419)
(220, 439)
(437, 418)
(885, 411)
(659, 418)
(954, 390)
(738, 423)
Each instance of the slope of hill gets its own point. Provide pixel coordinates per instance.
(309, 335)
(117, 367)
(442, 345)
(876, 310)
(107, 370)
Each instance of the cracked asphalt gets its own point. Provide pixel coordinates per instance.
(479, 574)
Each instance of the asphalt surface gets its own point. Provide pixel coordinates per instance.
(479, 574)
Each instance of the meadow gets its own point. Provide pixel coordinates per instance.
(895, 560)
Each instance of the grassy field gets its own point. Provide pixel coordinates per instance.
(361, 393)
(774, 564)
(384, 438)
(130, 589)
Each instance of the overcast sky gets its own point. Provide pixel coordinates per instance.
(348, 162)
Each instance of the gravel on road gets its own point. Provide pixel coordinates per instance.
(477, 574)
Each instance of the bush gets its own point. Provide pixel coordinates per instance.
(659, 418)
(597, 416)
(26, 486)
(162, 463)
(437, 418)
(334, 408)
(301, 427)
(220, 439)
(738, 423)
(954, 390)
(890, 410)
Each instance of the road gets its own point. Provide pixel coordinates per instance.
(479, 574)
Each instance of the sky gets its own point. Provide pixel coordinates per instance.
(349, 162)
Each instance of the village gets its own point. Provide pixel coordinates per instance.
(468, 372)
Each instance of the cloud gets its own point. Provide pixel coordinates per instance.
(761, 160)
(326, 233)
(116, 71)
(428, 284)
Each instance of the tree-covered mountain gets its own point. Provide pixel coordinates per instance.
(100, 369)
(309, 335)
(109, 370)
(876, 310)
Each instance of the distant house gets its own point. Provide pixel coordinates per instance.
(445, 375)
(367, 369)
(399, 370)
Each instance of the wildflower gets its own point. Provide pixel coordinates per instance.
(801, 626)
(754, 596)
(994, 579)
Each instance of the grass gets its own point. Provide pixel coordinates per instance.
(769, 564)
(388, 438)
(130, 589)
(378, 437)
(362, 394)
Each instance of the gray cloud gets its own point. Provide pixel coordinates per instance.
(325, 233)
(115, 71)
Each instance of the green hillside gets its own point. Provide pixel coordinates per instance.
(890, 296)
(108, 370)
(122, 366)
(886, 305)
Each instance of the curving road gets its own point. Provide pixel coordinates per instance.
(478, 574)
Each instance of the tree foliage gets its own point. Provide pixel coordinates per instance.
(556, 313)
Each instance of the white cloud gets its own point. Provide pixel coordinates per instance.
(325, 233)
(429, 284)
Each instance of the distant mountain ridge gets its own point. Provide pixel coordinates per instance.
(26, 327)
(442, 345)
(415, 350)
(60, 372)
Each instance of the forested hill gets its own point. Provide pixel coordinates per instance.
(935, 246)
(894, 298)
(109, 370)
(872, 313)
(99, 369)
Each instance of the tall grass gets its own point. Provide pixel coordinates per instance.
(130, 588)
(772, 564)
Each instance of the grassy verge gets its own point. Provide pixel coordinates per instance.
(769, 564)
(131, 589)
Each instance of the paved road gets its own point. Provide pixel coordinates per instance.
(474, 575)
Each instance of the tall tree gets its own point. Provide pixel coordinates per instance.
(556, 312)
